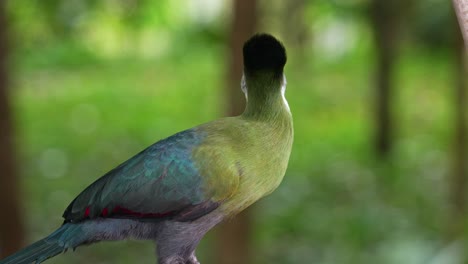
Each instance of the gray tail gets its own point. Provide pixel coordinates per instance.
(59, 241)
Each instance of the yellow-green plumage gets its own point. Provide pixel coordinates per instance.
(257, 144)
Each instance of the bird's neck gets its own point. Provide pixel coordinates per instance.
(266, 101)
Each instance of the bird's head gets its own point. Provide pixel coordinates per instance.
(264, 60)
(263, 82)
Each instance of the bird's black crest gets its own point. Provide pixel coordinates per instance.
(263, 52)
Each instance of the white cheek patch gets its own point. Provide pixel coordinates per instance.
(244, 87)
(283, 91)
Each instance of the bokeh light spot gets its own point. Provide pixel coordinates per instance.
(84, 119)
(53, 163)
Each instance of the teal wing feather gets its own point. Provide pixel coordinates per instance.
(161, 181)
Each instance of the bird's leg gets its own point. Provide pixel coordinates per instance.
(192, 259)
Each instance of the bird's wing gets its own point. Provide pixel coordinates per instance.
(162, 181)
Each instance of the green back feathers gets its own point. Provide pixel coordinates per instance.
(160, 181)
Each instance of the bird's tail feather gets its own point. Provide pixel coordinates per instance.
(67, 236)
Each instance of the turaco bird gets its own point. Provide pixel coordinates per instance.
(177, 189)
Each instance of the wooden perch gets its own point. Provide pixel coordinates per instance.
(461, 8)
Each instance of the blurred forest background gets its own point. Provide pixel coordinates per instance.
(377, 90)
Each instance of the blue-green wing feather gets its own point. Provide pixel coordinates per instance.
(162, 180)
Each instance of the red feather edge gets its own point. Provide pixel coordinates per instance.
(118, 210)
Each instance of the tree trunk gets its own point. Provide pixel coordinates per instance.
(383, 16)
(295, 26)
(233, 240)
(11, 228)
(242, 28)
(233, 236)
(460, 171)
